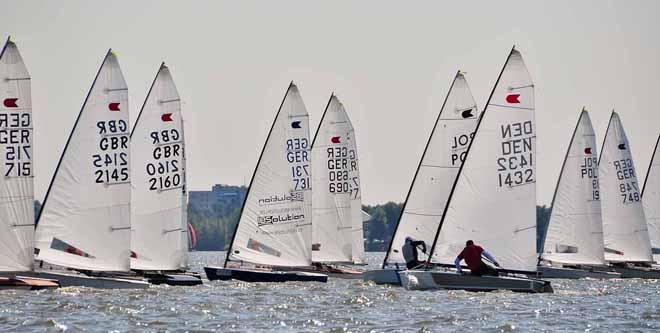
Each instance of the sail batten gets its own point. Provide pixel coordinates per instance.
(438, 167)
(575, 230)
(274, 227)
(17, 180)
(85, 219)
(493, 198)
(158, 193)
(625, 230)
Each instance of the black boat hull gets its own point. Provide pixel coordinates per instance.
(248, 275)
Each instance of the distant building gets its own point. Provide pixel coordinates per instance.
(219, 196)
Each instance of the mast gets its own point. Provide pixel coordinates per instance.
(467, 154)
(561, 172)
(648, 171)
(421, 160)
(247, 193)
(68, 141)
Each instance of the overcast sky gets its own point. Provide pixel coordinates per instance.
(390, 63)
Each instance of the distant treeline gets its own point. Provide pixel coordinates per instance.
(215, 221)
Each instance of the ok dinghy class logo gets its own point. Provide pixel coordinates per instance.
(10, 102)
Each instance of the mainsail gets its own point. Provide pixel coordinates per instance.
(158, 192)
(437, 170)
(575, 230)
(624, 224)
(333, 159)
(651, 200)
(17, 185)
(493, 200)
(357, 219)
(275, 223)
(85, 219)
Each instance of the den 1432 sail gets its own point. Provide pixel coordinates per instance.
(575, 230)
(17, 183)
(275, 224)
(493, 200)
(437, 170)
(85, 219)
(158, 197)
(624, 223)
(334, 164)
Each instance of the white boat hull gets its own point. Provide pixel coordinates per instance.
(548, 272)
(427, 280)
(73, 279)
(383, 276)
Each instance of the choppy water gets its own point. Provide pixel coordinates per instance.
(339, 305)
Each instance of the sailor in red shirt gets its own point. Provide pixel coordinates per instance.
(472, 255)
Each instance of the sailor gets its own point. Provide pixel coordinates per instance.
(472, 255)
(409, 251)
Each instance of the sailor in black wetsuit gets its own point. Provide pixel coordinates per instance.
(409, 251)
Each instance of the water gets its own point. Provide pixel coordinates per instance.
(338, 306)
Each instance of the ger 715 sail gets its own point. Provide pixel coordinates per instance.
(85, 220)
(493, 198)
(274, 228)
(17, 182)
(159, 239)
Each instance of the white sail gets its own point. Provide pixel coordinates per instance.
(332, 186)
(651, 201)
(624, 224)
(275, 223)
(85, 219)
(158, 181)
(16, 146)
(494, 197)
(357, 229)
(575, 230)
(437, 170)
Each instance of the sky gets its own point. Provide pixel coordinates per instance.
(390, 62)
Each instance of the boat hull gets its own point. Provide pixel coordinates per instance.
(637, 272)
(427, 280)
(546, 272)
(331, 271)
(174, 279)
(73, 279)
(383, 276)
(27, 283)
(254, 275)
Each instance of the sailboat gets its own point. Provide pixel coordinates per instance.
(493, 198)
(358, 216)
(159, 240)
(444, 153)
(17, 184)
(651, 201)
(573, 243)
(274, 231)
(336, 201)
(84, 224)
(626, 236)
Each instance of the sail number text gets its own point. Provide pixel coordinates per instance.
(111, 163)
(15, 137)
(515, 165)
(625, 173)
(297, 154)
(342, 171)
(164, 171)
(589, 170)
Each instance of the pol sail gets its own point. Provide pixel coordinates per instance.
(17, 185)
(624, 224)
(651, 200)
(493, 201)
(275, 224)
(85, 219)
(437, 170)
(575, 230)
(158, 197)
(332, 185)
